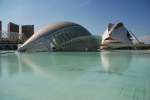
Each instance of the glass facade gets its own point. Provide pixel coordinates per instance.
(67, 37)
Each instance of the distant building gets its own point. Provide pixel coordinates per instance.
(13, 32)
(13, 27)
(27, 31)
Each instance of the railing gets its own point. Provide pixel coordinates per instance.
(10, 38)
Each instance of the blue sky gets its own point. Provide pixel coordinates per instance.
(92, 14)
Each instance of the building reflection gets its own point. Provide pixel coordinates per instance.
(7, 64)
(58, 65)
(62, 65)
(115, 61)
(11, 64)
(52, 65)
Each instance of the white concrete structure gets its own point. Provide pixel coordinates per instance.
(116, 36)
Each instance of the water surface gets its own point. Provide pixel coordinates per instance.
(108, 75)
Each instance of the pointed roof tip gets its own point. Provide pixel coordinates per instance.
(120, 23)
(110, 25)
(117, 25)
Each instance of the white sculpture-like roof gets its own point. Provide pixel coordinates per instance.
(117, 32)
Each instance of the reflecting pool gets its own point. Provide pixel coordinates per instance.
(106, 75)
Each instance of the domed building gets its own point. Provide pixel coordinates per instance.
(64, 36)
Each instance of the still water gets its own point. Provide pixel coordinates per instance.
(107, 75)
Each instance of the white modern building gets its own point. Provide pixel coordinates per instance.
(116, 36)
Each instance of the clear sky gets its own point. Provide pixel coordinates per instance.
(92, 14)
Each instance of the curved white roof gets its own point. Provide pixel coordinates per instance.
(117, 32)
